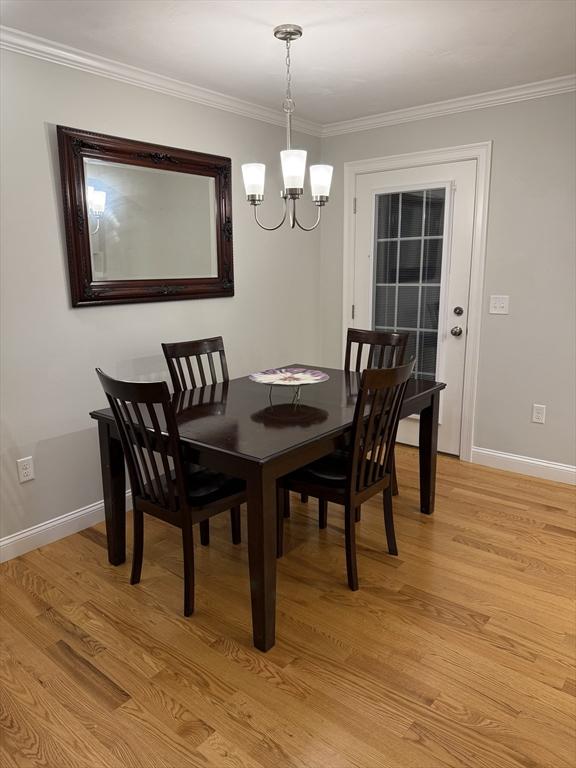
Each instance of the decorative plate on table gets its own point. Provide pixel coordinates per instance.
(289, 377)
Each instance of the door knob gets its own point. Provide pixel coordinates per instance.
(456, 331)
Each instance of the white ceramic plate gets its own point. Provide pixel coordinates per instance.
(289, 377)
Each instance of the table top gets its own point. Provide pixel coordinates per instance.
(244, 418)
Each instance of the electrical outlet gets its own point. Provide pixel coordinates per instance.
(499, 305)
(25, 469)
(538, 414)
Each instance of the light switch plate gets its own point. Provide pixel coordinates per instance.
(499, 305)
(538, 414)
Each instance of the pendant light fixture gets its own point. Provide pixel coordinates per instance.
(293, 160)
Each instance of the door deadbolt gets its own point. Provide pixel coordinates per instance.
(458, 311)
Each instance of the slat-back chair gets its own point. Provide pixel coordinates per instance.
(193, 364)
(367, 349)
(160, 487)
(385, 349)
(349, 479)
(187, 367)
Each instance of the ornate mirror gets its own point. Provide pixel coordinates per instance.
(144, 222)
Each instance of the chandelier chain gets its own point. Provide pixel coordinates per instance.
(288, 101)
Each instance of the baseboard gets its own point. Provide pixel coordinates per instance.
(525, 465)
(52, 530)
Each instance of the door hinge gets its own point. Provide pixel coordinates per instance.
(354, 206)
(353, 311)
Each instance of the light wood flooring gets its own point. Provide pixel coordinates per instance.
(457, 653)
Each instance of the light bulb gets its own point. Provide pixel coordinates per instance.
(254, 175)
(320, 180)
(293, 168)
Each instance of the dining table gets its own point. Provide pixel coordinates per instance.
(261, 433)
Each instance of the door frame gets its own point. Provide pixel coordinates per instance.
(482, 153)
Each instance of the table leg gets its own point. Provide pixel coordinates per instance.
(261, 500)
(114, 486)
(428, 446)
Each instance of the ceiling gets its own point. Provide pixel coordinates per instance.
(355, 58)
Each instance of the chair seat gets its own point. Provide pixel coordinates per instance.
(329, 470)
(329, 473)
(204, 486)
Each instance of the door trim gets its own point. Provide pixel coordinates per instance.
(482, 153)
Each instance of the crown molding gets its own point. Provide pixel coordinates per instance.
(40, 48)
(557, 85)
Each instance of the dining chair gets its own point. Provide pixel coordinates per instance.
(192, 363)
(385, 349)
(371, 349)
(349, 478)
(161, 485)
(382, 349)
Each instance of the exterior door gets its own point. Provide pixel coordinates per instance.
(412, 257)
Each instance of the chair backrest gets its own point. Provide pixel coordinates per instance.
(147, 426)
(187, 367)
(385, 349)
(375, 424)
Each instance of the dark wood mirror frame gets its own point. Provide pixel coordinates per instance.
(74, 146)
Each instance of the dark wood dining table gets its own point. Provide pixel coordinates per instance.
(254, 432)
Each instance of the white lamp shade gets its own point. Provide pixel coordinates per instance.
(254, 174)
(320, 180)
(96, 201)
(293, 167)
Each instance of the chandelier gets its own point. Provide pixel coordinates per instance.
(293, 160)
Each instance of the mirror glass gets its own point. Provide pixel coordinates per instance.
(149, 223)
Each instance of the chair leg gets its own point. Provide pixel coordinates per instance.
(322, 513)
(351, 565)
(304, 498)
(138, 547)
(236, 525)
(188, 551)
(205, 533)
(389, 521)
(358, 514)
(394, 476)
(283, 500)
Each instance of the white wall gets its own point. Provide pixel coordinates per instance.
(49, 350)
(529, 356)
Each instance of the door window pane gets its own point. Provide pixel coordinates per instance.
(411, 214)
(432, 260)
(385, 308)
(434, 217)
(409, 269)
(407, 314)
(428, 343)
(410, 353)
(430, 307)
(386, 261)
(388, 207)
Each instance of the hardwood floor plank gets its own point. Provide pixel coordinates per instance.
(49, 732)
(88, 676)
